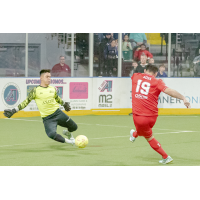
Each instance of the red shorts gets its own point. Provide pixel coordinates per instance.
(144, 124)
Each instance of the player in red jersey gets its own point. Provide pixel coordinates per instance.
(145, 92)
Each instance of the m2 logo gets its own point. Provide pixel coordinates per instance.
(106, 86)
(105, 101)
(105, 98)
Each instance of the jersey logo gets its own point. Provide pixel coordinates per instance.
(41, 93)
(51, 91)
(106, 85)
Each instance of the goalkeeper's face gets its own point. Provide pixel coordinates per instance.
(46, 78)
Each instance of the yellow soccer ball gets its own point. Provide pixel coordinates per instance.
(81, 141)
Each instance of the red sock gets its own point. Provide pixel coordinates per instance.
(157, 147)
(135, 134)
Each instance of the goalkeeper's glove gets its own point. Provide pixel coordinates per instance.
(9, 113)
(67, 106)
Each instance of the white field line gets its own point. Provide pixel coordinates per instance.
(91, 139)
(93, 124)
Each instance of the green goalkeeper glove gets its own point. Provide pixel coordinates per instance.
(67, 106)
(9, 113)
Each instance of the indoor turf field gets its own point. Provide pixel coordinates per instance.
(24, 142)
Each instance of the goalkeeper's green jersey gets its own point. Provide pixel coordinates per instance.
(46, 98)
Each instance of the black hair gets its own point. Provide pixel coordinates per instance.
(152, 68)
(44, 71)
(142, 45)
(124, 37)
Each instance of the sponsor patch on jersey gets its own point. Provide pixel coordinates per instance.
(140, 96)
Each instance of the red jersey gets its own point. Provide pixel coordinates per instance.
(60, 71)
(138, 54)
(145, 93)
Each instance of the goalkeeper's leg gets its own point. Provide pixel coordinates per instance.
(65, 121)
(51, 127)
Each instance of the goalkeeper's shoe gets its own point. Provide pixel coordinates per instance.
(132, 139)
(166, 161)
(68, 134)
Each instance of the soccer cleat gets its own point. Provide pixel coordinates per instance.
(132, 139)
(166, 161)
(73, 140)
(69, 136)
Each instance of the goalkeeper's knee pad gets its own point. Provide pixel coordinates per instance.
(71, 125)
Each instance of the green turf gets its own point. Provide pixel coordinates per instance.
(24, 143)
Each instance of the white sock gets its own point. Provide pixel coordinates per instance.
(68, 141)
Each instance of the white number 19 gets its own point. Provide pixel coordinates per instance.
(145, 87)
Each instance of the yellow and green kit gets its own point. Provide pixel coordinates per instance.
(46, 99)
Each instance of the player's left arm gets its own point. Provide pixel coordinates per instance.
(175, 94)
(66, 105)
(31, 96)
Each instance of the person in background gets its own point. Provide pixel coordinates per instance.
(137, 39)
(151, 61)
(142, 66)
(107, 40)
(140, 51)
(134, 66)
(111, 55)
(161, 72)
(61, 69)
(126, 45)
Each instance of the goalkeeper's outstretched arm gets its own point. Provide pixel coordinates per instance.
(10, 112)
(61, 102)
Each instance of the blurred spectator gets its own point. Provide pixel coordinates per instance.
(115, 35)
(161, 72)
(61, 69)
(137, 39)
(108, 39)
(134, 66)
(126, 45)
(141, 51)
(127, 49)
(151, 61)
(111, 55)
(101, 36)
(142, 66)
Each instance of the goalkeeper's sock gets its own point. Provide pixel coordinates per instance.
(157, 147)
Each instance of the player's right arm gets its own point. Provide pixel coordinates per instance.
(10, 112)
(175, 94)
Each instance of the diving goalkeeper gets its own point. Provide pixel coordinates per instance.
(48, 102)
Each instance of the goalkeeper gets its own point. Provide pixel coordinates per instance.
(48, 102)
